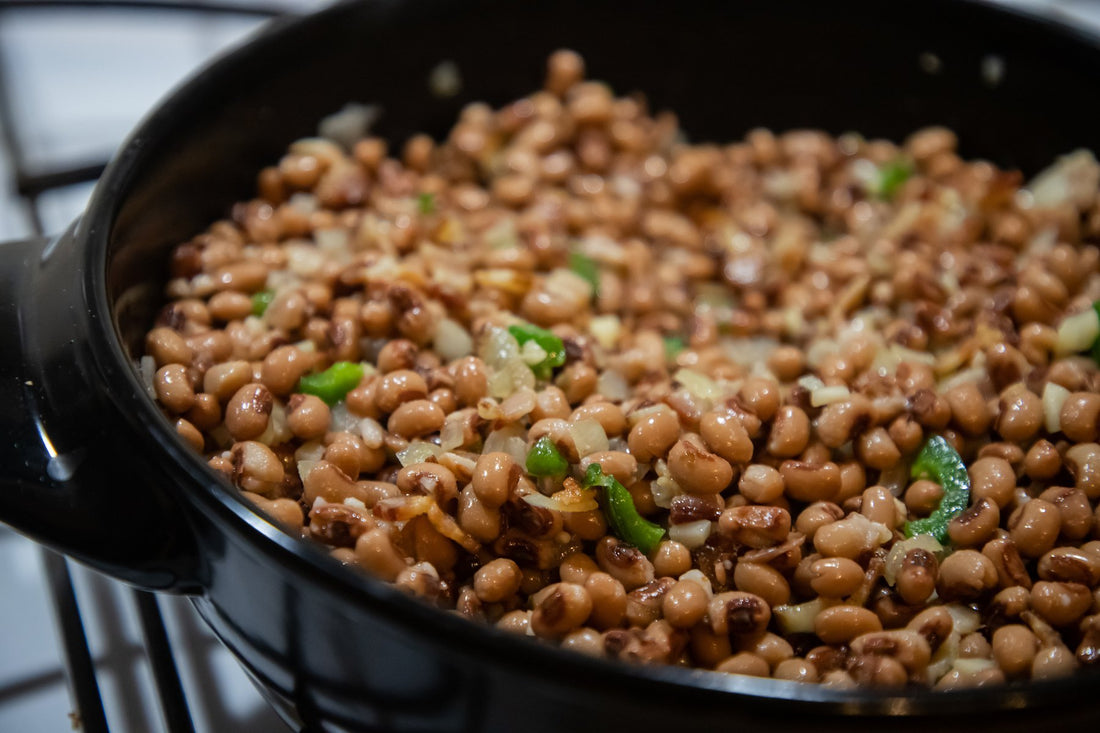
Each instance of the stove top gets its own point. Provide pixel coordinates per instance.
(75, 77)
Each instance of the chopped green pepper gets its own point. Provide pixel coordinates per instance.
(261, 300)
(551, 344)
(1095, 352)
(940, 461)
(334, 383)
(891, 176)
(673, 346)
(622, 515)
(544, 459)
(587, 268)
(425, 203)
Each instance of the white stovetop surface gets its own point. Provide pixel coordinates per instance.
(81, 79)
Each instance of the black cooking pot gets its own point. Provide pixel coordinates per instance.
(90, 467)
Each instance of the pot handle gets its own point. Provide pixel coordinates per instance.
(69, 478)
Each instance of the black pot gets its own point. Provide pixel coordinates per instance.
(90, 467)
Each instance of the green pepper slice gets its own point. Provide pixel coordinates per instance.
(261, 300)
(587, 268)
(891, 176)
(942, 463)
(551, 344)
(425, 203)
(544, 459)
(622, 515)
(333, 384)
(673, 346)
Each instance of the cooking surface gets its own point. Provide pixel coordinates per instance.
(73, 83)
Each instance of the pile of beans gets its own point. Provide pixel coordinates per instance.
(759, 337)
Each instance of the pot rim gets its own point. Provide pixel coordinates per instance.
(454, 635)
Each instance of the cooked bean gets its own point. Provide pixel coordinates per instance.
(174, 389)
(561, 608)
(796, 670)
(738, 613)
(495, 478)
(744, 663)
(166, 346)
(841, 624)
(1080, 413)
(1083, 461)
(685, 604)
(1074, 508)
(653, 435)
(416, 418)
(976, 525)
(879, 505)
(726, 436)
(698, 471)
(817, 515)
(810, 482)
(762, 580)
(497, 580)
(993, 479)
(671, 559)
(965, 575)
(624, 563)
(1060, 604)
(307, 416)
(283, 367)
(755, 526)
(760, 484)
(1042, 460)
(1034, 527)
(836, 576)
(248, 410)
(790, 432)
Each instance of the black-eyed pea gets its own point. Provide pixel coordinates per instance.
(976, 525)
(878, 505)
(1070, 565)
(609, 415)
(934, 624)
(223, 380)
(772, 648)
(1034, 527)
(1083, 462)
(685, 604)
(307, 416)
(477, 520)
(584, 641)
(644, 604)
(917, 576)
(841, 624)
(619, 464)
(905, 646)
(810, 482)
(1042, 461)
(416, 418)
(965, 575)
(762, 580)
(431, 479)
(256, 468)
(495, 478)
(1075, 509)
(564, 69)
(755, 525)
(284, 366)
(190, 435)
(839, 422)
(975, 646)
(923, 496)
(247, 413)
(796, 670)
(1053, 662)
(877, 449)
(672, 559)
(698, 471)
(497, 580)
(969, 408)
(166, 346)
(559, 609)
(516, 622)
(875, 670)
(762, 397)
(835, 577)
(576, 568)
(1060, 604)
(286, 512)
(653, 435)
(994, 479)
(173, 387)
(760, 484)
(608, 600)
(851, 537)
(624, 563)
(745, 663)
(1014, 649)
(816, 516)
(1080, 417)
(377, 554)
(725, 435)
(737, 613)
(790, 433)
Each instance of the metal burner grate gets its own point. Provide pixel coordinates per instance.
(31, 181)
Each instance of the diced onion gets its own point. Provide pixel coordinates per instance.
(566, 500)
(341, 419)
(1078, 332)
(810, 382)
(451, 340)
(829, 395)
(612, 385)
(664, 490)
(453, 433)
(147, 368)
(532, 353)
(972, 665)
(607, 330)
(699, 385)
(798, 618)
(354, 503)
(974, 374)
(418, 452)
(372, 433)
(350, 124)
(511, 439)
(698, 576)
(691, 534)
(1054, 396)
(966, 620)
(519, 404)
(588, 437)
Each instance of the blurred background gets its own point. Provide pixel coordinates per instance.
(75, 77)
